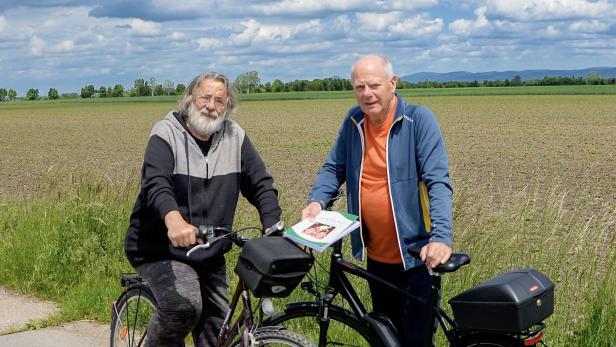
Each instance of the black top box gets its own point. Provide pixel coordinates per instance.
(511, 302)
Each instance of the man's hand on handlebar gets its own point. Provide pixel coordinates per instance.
(310, 211)
(435, 254)
(179, 232)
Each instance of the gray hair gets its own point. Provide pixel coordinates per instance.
(389, 70)
(187, 98)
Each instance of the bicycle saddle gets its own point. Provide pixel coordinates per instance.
(453, 264)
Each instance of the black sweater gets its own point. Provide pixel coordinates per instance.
(176, 175)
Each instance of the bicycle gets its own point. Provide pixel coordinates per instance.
(340, 326)
(132, 311)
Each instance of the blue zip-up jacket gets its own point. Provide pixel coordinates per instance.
(415, 153)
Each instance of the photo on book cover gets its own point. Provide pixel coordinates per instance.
(318, 230)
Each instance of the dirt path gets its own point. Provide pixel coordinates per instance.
(18, 310)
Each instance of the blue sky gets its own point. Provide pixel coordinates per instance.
(67, 44)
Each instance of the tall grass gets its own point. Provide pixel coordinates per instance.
(66, 244)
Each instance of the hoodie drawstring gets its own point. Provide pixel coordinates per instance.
(188, 177)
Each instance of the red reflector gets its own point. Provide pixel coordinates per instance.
(531, 341)
(533, 288)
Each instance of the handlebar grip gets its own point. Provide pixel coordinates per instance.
(275, 229)
(415, 251)
(207, 232)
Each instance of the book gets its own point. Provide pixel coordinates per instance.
(325, 229)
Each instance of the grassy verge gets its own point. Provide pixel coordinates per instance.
(66, 244)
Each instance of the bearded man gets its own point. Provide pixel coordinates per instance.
(196, 163)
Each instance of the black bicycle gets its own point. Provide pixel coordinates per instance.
(132, 311)
(506, 311)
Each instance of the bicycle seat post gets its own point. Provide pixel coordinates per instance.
(433, 302)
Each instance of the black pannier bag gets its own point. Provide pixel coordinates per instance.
(510, 302)
(272, 266)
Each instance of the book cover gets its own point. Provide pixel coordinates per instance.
(320, 233)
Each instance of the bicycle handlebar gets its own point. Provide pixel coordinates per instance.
(211, 234)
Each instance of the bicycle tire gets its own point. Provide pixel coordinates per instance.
(345, 329)
(489, 340)
(277, 336)
(130, 317)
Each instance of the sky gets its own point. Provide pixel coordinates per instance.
(68, 44)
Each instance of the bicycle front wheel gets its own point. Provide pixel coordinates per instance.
(344, 328)
(131, 316)
(276, 336)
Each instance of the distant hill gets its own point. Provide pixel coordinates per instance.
(465, 76)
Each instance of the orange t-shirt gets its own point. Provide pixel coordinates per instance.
(376, 211)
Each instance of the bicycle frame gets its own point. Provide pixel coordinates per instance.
(339, 284)
(245, 320)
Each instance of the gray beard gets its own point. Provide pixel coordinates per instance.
(204, 123)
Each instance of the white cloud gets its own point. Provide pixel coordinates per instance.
(305, 7)
(206, 43)
(467, 27)
(551, 9)
(176, 35)
(387, 24)
(550, 32)
(64, 46)
(2, 23)
(377, 21)
(407, 5)
(418, 26)
(36, 45)
(308, 6)
(252, 31)
(586, 26)
(144, 28)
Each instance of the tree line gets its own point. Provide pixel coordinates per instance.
(250, 82)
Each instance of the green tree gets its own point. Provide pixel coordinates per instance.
(32, 94)
(516, 81)
(142, 88)
(3, 94)
(159, 90)
(594, 77)
(247, 82)
(87, 91)
(152, 86)
(179, 89)
(118, 91)
(12, 94)
(103, 92)
(53, 94)
(277, 86)
(168, 88)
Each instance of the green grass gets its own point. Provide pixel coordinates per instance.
(347, 94)
(66, 245)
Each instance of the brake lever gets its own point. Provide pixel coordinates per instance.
(274, 229)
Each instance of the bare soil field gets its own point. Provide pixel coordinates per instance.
(497, 144)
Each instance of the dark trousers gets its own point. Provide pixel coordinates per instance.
(188, 299)
(409, 317)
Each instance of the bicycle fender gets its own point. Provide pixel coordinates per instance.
(384, 330)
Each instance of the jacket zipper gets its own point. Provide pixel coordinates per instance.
(391, 201)
(361, 170)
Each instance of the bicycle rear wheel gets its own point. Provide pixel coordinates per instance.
(276, 336)
(344, 329)
(131, 316)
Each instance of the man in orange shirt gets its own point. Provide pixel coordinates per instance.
(392, 156)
